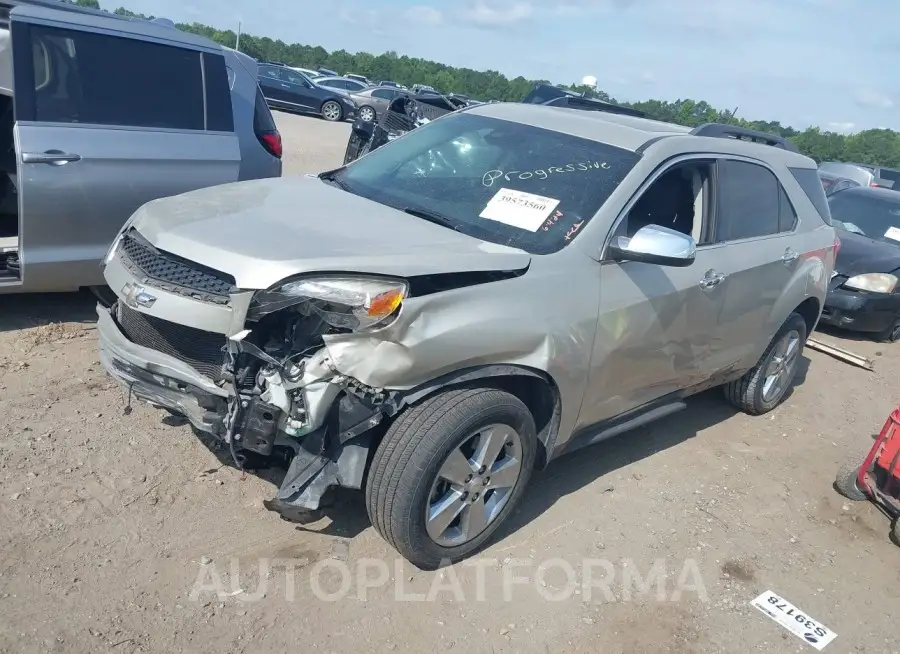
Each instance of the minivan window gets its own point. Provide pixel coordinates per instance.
(109, 80)
(219, 112)
(496, 180)
(748, 201)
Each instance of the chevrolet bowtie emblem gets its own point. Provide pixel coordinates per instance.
(137, 296)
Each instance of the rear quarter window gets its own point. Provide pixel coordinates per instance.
(811, 183)
(219, 112)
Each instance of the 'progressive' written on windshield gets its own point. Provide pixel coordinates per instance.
(542, 173)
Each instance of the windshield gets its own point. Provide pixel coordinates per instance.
(496, 180)
(875, 217)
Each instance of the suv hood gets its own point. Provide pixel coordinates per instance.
(264, 231)
(860, 254)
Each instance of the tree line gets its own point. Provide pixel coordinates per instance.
(873, 146)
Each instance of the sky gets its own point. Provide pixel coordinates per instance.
(831, 63)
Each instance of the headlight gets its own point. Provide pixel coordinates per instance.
(874, 282)
(354, 303)
(112, 250)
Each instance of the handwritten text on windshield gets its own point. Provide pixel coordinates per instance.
(541, 173)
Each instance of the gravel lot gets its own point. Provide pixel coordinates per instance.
(108, 521)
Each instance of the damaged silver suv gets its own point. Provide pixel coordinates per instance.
(499, 287)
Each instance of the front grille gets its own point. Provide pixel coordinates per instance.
(203, 351)
(174, 273)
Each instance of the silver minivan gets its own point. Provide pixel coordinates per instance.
(107, 113)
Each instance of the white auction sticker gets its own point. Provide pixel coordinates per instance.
(794, 620)
(893, 233)
(519, 209)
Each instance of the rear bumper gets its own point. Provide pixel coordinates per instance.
(160, 379)
(860, 311)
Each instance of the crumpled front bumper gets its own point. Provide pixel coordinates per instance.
(160, 379)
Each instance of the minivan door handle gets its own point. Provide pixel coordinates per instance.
(711, 279)
(790, 256)
(52, 157)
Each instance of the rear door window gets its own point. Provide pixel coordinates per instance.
(748, 201)
(384, 94)
(87, 78)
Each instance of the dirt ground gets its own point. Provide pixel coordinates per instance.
(109, 521)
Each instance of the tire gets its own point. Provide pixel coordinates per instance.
(891, 334)
(749, 393)
(845, 482)
(332, 111)
(104, 295)
(404, 482)
(895, 532)
(367, 113)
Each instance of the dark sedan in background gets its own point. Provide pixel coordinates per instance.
(864, 293)
(290, 90)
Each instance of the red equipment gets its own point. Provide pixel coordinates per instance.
(878, 478)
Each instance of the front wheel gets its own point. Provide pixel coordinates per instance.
(891, 334)
(331, 111)
(448, 472)
(765, 385)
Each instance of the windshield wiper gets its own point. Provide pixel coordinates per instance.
(432, 217)
(331, 176)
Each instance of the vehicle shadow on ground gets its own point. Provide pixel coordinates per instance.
(845, 335)
(569, 474)
(35, 309)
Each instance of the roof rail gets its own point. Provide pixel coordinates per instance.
(722, 131)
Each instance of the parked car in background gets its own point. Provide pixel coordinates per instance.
(343, 84)
(106, 114)
(362, 79)
(327, 72)
(418, 88)
(285, 88)
(884, 177)
(389, 83)
(374, 101)
(864, 293)
(449, 312)
(309, 72)
(833, 183)
(863, 175)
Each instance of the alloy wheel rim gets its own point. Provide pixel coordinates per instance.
(331, 111)
(782, 365)
(473, 485)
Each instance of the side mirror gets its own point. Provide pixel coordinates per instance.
(654, 244)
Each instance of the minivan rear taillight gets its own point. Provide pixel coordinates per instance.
(271, 141)
(264, 126)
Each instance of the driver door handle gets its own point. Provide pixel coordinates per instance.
(52, 157)
(712, 279)
(790, 256)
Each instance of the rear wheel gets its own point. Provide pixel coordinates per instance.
(367, 114)
(448, 472)
(892, 333)
(764, 386)
(847, 481)
(331, 111)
